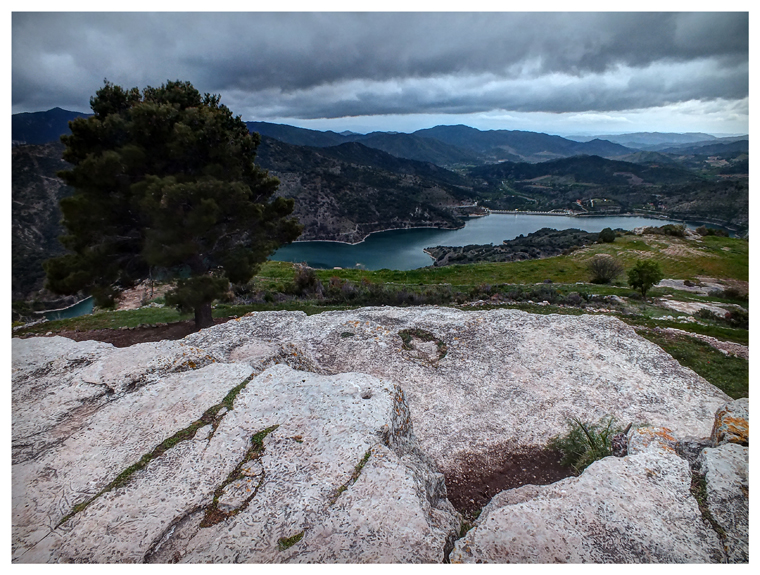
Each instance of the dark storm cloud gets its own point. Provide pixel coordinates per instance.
(328, 65)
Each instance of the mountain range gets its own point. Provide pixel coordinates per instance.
(448, 146)
(349, 185)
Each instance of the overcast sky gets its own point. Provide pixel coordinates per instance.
(557, 73)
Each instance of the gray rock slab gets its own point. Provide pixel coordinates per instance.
(338, 467)
(509, 380)
(57, 383)
(107, 441)
(143, 363)
(726, 472)
(47, 398)
(635, 509)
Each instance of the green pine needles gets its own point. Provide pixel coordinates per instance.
(165, 182)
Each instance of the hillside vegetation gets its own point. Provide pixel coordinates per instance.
(349, 185)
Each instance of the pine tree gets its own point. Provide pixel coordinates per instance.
(165, 180)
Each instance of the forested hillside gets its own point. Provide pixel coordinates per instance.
(346, 187)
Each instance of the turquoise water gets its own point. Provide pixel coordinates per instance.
(83, 307)
(402, 249)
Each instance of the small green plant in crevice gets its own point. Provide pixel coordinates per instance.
(585, 443)
(354, 476)
(346, 334)
(699, 492)
(287, 542)
(468, 521)
(359, 466)
(213, 514)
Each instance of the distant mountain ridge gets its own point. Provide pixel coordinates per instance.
(663, 141)
(451, 145)
(518, 145)
(635, 139)
(42, 127)
(589, 169)
(447, 146)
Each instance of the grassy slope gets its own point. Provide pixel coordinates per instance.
(679, 258)
(730, 374)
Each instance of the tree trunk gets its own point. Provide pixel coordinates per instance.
(203, 317)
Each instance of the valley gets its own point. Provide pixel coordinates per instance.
(347, 186)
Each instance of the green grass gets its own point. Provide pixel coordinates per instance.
(112, 320)
(678, 258)
(730, 374)
(152, 316)
(724, 333)
(585, 443)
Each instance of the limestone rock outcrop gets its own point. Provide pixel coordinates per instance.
(732, 423)
(483, 381)
(296, 468)
(641, 508)
(725, 471)
(281, 437)
(635, 509)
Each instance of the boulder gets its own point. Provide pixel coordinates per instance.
(298, 470)
(726, 474)
(634, 509)
(480, 382)
(732, 423)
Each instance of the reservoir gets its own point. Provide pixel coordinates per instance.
(402, 249)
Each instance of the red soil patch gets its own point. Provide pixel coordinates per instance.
(483, 476)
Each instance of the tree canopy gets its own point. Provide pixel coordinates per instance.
(165, 181)
(644, 275)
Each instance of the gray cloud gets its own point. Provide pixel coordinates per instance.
(311, 65)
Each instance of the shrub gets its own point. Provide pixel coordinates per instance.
(734, 293)
(738, 318)
(705, 313)
(585, 443)
(607, 235)
(677, 230)
(306, 282)
(705, 231)
(644, 275)
(573, 298)
(604, 269)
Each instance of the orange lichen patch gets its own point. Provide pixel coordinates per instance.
(659, 432)
(731, 429)
(659, 435)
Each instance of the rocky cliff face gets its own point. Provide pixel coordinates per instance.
(36, 192)
(279, 437)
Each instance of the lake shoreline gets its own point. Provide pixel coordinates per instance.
(364, 239)
(534, 214)
(405, 248)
